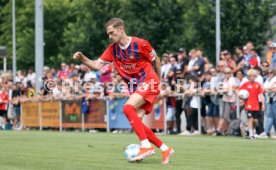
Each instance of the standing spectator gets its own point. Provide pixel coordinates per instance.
(9, 86)
(16, 94)
(247, 55)
(270, 101)
(31, 75)
(207, 64)
(240, 56)
(105, 73)
(269, 51)
(253, 61)
(165, 66)
(212, 102)
(231, 63)
(179, 100)
(196, 64)
(216, 85)
(250, 47)
(264, 68)
(4, 100)
(171, 76)
(252, 106)
(273, 59)
(64, 72)
(229, 98)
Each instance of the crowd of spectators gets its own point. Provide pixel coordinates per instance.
(205, 86)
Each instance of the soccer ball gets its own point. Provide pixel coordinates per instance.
(131, 151)
(243, 94)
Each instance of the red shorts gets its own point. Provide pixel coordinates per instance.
(150, 94)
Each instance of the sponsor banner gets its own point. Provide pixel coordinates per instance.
(155, 120)
(71, 113)
(95, 117)
(50, 111)
(117, 118)
(30, 114)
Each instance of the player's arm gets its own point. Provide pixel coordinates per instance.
(93, 64)
(156, 63)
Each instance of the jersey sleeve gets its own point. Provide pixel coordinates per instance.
(107, 54)
(243, 87)
(148, 51)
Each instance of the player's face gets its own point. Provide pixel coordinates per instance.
(114, 33)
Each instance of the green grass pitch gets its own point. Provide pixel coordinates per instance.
(36, 150)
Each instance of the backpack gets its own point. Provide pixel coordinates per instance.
(234, 128)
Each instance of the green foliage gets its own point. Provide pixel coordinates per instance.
(71, 25)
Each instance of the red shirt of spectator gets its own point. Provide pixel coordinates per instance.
(254, 89)
(64, 72)
(4, 98)
(253, 62)
(106, 74)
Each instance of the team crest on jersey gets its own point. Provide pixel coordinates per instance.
(131, 57)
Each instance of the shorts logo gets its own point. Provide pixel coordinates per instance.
(131, 57)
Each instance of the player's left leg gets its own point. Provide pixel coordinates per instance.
(130, 109)
(166, 151)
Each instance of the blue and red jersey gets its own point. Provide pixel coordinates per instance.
(133, 63)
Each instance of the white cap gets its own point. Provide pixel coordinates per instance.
(89, 76)
(273, 45)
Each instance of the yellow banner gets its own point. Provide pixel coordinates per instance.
(50, 113)
(30, 114)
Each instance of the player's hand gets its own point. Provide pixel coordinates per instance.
(78, 56)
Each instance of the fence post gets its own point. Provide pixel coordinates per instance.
(107, 115)
(40, 115)
(82, 121)
(165, 111)
(60, 115)
(199, 114)
(238, 107)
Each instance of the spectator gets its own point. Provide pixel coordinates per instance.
(231, 63)
(165, 66)
(16, 94)
(105, 73)
(269, 51)
(31, 75)
(240, 56)
(253, 61)
(171, 76)
(270, 101)
(273, 59)
(207, 64)
(64, 72)
(179, 100)
(250, 47)
(4, 100)
(229, 98)
(212, 102)
(196, 64)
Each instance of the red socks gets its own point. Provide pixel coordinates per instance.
(141, 130)
(152, 137)
(135, 121)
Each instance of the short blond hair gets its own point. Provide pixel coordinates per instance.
(251, 72)
(115, 22)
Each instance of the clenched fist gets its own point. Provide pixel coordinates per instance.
(78, 56)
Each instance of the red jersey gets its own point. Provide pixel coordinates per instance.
(133, 63)
(253, 62)
(254, 89)
(4, 98)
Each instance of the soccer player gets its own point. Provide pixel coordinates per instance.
(252, 106)
(134, 59)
